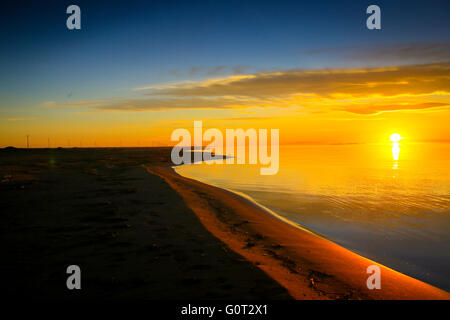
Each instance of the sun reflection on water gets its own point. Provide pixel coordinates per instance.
(395, 138)
(395, 154)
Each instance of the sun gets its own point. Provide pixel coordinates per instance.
(395, 137)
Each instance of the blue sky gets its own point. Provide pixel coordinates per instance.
(128, 44)
(124, 44)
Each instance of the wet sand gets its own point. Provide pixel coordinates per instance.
(307, 265)
(138, 230)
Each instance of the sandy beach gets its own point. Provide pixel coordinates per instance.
(138, 230)
(307, 265)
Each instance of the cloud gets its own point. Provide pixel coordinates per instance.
(48, 104)
(395, 107)
(357, 90)
(405, 53)
(174, 103)
(203, 71)
(18, 119)
(167, 85)
(387, 81)
(422, 52)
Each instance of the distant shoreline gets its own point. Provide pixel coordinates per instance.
(306, 264)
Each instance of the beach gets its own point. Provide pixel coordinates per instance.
(138, 230)
(359, 197)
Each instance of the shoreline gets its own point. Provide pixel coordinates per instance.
(262, 207)
(130, 233)
(308, 265)
(162, 236)
(302, 227)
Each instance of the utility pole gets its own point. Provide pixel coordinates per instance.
(28, 142)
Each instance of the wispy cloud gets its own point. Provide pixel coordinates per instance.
(406, 53)
(18, 119)
(396, 107)
(203, 71)
(357, 90)
(387, 81)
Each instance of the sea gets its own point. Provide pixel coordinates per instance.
(387, 202)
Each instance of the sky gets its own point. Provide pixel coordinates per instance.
(137, 70)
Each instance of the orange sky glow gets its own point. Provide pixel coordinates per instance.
(320, 106)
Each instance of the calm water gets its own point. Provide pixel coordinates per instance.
(396, 212)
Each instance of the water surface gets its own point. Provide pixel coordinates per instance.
(389, 203)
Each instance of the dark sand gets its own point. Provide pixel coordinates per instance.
(131, 234)
(137, 235)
